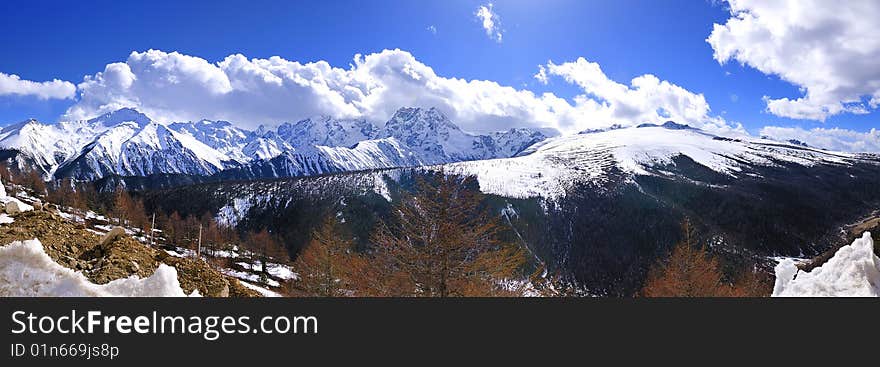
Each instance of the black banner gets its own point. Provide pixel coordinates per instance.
(333, 331)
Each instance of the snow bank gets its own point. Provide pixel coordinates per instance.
(27, 271)
(854, 271)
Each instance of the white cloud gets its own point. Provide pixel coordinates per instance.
(173, 87)
(827, 48)
(646, 99)
(55, 89)
(177, 87)
(833, 138)
(490, 21)
(432, 29)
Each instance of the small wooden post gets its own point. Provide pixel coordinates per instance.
(152, 229)
(199, 249)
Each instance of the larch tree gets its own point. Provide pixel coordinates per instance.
(326, 266)
(691, 271)
(123, 205)
(66, 195)
(34, 181)
(266, 247)
(444, 243)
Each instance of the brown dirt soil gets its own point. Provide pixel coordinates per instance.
(74, 247)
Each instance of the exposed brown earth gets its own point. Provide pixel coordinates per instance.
(74, 247)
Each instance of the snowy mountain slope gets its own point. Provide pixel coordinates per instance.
(434, 139)
(326, 131)
(552, 166)
(30, 137)
(320, 160)
(221, 136)
(265, 146)
(157, 149)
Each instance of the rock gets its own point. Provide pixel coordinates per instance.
(114, 233)
(225, 291)
(38, 205)
(12, 208)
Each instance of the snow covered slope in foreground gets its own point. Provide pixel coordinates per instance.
(548, 168)
(27, 271)
(854, 271)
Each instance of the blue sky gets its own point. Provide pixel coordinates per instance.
(66, 40)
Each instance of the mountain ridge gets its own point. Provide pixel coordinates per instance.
(126, 142)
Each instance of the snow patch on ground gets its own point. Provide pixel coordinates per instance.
(6, 219)
(854, 271)
(279, 271)
(250, 277)
(27, 271)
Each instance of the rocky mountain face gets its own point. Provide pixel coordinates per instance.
(128, 143)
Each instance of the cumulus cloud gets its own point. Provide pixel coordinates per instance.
(833, 138)
(11, 84)
(645, 99)
(829, 49)
(176, 87)
(490, 21)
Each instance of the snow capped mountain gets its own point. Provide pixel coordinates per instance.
(157, 149)
(435, 139)
(516, 162)
(327, 132)
(119, 116)
(511, 142)
(550, 167)
(221, 136)
(43, 145)
(128, 143)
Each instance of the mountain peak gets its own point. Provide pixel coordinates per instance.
(121, 115)
(409, 117)
(671, 125)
